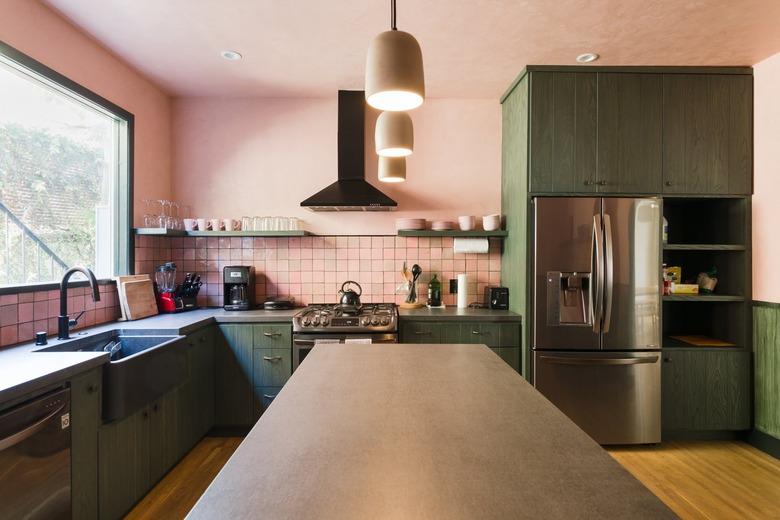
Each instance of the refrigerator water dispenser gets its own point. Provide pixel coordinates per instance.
(568, 300)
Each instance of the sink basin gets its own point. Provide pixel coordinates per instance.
(144, 364)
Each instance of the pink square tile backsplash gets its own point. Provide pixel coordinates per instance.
(312, 269)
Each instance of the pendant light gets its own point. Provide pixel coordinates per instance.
(394, 70)
(392, 169)
(394, 134)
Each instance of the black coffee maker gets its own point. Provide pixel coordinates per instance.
(239, 287)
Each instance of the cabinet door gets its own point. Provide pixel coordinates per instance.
(509, 334)
(263, 397)
(202, 375)
(562, 151)
(123, 469)
(707, 128)
(511, 356)
(272, 366)
(421, 331)
(273, 336)
(233, 376)
(165, 437)
(728, 390)
(84, 423)
(629, 133)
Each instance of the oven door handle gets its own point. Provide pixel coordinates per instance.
(298, 341)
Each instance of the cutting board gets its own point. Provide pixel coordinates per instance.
(139, 298)
(121, 290)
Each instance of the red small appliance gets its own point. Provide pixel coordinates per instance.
(172, 297)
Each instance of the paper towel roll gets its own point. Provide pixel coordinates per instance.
(463, 291)
(471, 245)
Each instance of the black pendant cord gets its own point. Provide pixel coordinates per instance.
(392, 15)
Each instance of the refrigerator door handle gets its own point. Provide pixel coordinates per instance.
(609, 268)
(597, 274)
(561, 360)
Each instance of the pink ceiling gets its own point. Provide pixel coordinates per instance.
(471, 48)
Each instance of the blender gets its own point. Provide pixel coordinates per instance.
(172, 297)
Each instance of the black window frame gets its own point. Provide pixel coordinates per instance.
(124, 258)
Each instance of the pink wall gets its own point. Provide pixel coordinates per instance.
(45, 36)
(247, 157)
(766, 212)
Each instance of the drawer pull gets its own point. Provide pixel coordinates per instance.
(269, 396)
(476, 332)
(272, 359)
(272, 334)
(422, 332)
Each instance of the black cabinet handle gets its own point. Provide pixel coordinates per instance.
(667, 360)
(155, 407)
(145, 414)
(91, 389)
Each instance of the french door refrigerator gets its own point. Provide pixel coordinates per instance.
(597, 314)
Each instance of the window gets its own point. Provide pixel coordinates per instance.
(64, 176)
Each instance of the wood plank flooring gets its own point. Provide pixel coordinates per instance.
(177, 492)
(698, 480)
(707, 479)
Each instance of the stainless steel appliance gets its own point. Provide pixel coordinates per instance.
(35, 458)
(336, 323)
(239, 287)
(597, 314)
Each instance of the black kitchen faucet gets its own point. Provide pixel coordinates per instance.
(64, 323)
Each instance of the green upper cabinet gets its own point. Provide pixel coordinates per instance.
(633, 130)
(708, 121)
(563, 132)
(629, 133)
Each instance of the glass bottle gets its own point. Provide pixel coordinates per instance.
(434, 292)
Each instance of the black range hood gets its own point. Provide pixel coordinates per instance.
(351, 192)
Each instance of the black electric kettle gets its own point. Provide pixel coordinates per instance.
(350, 298)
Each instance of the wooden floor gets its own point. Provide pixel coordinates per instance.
(698, 480)
(174, 495)
(708, 479)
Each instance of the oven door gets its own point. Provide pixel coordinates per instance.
(303, 343)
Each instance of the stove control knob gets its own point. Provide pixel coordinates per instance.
(325, 321)
(306, 322)
(365, 321)
(385, 321)
(315, 321)
(375, 321)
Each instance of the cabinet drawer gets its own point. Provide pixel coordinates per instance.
(474, 332)
(271, 366)
(263, 397)
(272, 336)
(421, 332)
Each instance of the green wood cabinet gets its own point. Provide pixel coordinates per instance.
(708, 122)
(617, 130)
(85, 412)
(629, 133)
(124, 463)
(563, 132)
(503, 338)
(233, 375)
(249, 356)
(705, 390)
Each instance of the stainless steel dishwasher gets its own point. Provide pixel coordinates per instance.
(35, 458)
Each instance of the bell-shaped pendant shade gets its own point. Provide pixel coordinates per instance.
(394, 134)
(394, 72)
(392, 169)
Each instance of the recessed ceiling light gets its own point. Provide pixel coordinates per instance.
(231, 55)
(587, 57)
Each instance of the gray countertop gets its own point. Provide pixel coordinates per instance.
(23, 371)
(419, 431)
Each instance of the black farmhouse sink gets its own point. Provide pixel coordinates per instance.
(144, 364)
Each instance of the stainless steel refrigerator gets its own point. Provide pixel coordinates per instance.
(597, 314)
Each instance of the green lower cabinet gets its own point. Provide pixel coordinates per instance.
(263, 397)
(165, 435)
(85, 413)
(502, 338)
(233, 376)
(272, 366)
(705, 390)
(124, 464)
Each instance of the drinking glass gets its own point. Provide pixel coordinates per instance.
(247, 224)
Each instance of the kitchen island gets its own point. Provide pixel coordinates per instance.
(419, 431)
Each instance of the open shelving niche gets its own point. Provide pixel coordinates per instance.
(707, 232)
(160, 232)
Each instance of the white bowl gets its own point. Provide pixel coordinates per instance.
(467, 222)
(491, 222)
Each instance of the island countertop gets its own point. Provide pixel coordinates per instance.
(419, 431)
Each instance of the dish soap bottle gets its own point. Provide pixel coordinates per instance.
(434, 292)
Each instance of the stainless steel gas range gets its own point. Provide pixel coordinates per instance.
(334, 323)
